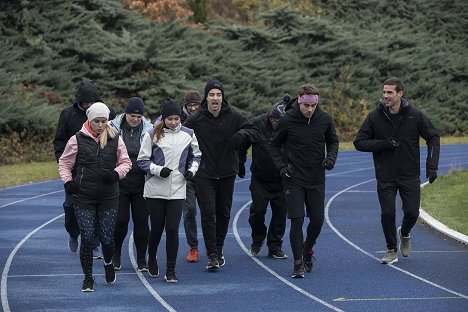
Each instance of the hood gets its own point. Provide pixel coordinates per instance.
(87, 92)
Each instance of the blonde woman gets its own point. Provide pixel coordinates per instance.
(93, 161)
(169, 155)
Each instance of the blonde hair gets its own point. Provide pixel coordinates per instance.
(108, 132)
(158, 132)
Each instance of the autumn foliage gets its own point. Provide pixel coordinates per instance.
(160, 10)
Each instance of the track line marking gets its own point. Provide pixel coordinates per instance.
(282, 279)
(25, 199)
(4, 289)
(327, 218)
(394, 299)
(65, 274)
(143, 278)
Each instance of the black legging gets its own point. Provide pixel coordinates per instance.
(92, 213)
(165, 214)
(140, 223)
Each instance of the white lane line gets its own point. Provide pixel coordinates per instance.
(394, 299)
(143, 279)
(25, 199)
(61, 275)
(327, 218)
(282, 279)
(3, 291)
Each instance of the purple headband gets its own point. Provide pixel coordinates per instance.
(308, 98)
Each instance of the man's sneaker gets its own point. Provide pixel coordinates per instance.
(390, 257)
(308, 258)
(405, 244)
(97, 253)
(142, 266)
(88, 284)
(221, 259)
(298, 269)
(73, 244)
(116, 263)
(170, 276)
(277, 254)
(153, 268)
(110, 273)
(213, 263)
(255, 248)
(192, 255)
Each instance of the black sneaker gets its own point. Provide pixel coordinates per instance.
(170, 276)
(221, 259)
(277, 254)
(255, 248)
(308, 258)
(73, 244)
(298, 269)
(88, 284)
(116, 263)
(153, 268)
(213, 263)
(110, 273)
(142, 266)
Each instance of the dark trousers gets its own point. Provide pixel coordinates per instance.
(164, 214)
(190, 215)
(215, 199)
(263, 194)
(410, 194)
(95, 216)
(314, 199)
(136, 203)
(71, 225)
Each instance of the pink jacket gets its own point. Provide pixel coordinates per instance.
(68, 158)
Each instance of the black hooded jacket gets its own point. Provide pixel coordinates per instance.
(299, 144)
(402, 162)
(73, 116)
(220, 155)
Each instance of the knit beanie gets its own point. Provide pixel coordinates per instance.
(97, 110)
(213, 84)
(171, 107)
(135, 105)
(278, 109)
(192, 96)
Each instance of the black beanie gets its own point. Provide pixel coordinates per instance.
(213, 84)
(135, 105)
(278, 109)
(171, 107)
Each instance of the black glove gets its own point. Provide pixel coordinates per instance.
(285, 173)
(71, 188)
(110, 176)
(165, 172)
(328, 164)
(241, 173)
(236, 140)
(188, 175)
(431, 174)
(391, 143)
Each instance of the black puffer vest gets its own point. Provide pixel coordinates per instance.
(91, 162)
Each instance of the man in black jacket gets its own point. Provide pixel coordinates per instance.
(70, 122)
(391, 132)
(266, 186)
(220, 130)
(298, 150)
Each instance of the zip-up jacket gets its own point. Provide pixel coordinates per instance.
(402, 162)
(299, 144)
(177, 150)
(220, 157)
(262, 167)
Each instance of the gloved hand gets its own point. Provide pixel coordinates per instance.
(328, 164)
(71, 187)
(286, 173)
(165, 172)
(431, 174)
(110, 176)
(236, 140)
(241, 173)
(188, 175)
(391, 143)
